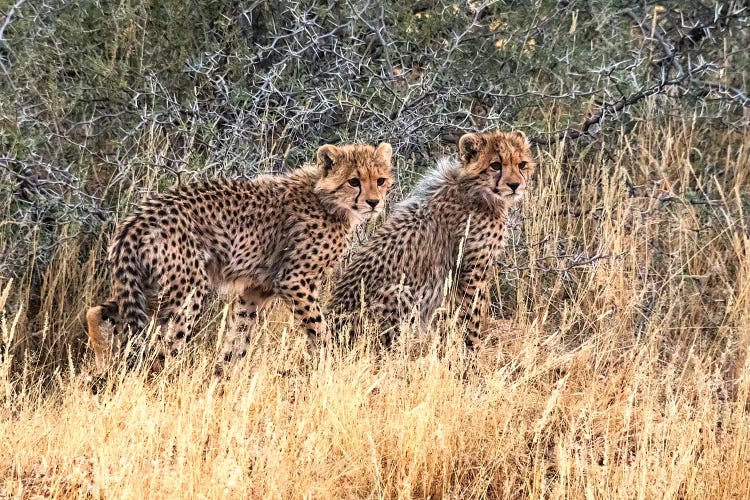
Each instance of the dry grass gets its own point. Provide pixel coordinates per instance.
(620, 369)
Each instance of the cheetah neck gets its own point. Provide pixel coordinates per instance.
(307, 178)
(446, 183)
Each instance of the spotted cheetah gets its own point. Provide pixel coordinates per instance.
(450, 228)
(254, 239)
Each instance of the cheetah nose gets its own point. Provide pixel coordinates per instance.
(514, 185)
(373, 203)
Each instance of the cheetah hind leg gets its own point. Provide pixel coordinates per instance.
(244, 314)
(102, 334)
(395, 307)
(177, 329)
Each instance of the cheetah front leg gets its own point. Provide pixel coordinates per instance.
(244, 315)
(308, 314)
(472, 290)
(473, 304)
(298, 284)
(302, 296)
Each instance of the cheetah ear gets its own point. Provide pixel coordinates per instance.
(523, 137)
(384, 152)
(469, 146)
(327, 156)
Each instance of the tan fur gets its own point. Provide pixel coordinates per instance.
(101, 338)
(457, 210)
(271, 236)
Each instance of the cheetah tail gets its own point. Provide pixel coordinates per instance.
(101, 322)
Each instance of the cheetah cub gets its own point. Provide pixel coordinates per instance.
(450, 229)
(253, 240)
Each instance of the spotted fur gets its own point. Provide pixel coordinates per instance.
(256, 239)
(451, 227)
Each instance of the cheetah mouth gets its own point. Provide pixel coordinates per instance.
(366, 210)
(512, 196)
(503, 194)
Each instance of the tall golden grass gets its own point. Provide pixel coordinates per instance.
(617, 366)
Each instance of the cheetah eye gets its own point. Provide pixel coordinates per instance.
(354, 182)
(496, 165)
(381, 181)
(522, 165)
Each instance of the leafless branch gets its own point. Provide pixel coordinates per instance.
(9, 17)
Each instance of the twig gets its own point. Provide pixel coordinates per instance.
(9, 17)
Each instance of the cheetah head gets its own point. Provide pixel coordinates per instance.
(355, 178)
(499, 164)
